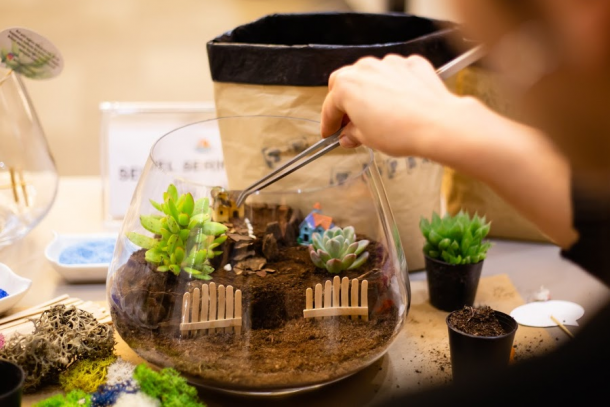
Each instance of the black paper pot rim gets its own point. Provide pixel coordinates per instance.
(443, 263)
(507, 318)
(7, 368)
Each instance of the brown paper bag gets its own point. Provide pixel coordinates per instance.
(279, 65)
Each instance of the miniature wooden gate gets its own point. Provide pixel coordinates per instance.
(211, 309)
(335, 299)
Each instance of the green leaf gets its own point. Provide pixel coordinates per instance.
(424, 227)
(172, 192)
(347, 261)
(444, 244)
(174, 268)
(183, 219)
(202, 276)
(171, 243)
(349, 233)
(189, 204)
(362, 244)
(446, 257)
(213, 228)
(324, 255)
(433, 253)
(162, 269)
(173, 210)
(201, 206)
(359, 261)
(198, 219)
(220, 239)
(153, 256)
(173, 225)
(151, 223)
(434, 237)
(200, 256)
(144, 242)
(184, 234)
(156, 205)
(333, 247)
(315, 258)
(334, 266)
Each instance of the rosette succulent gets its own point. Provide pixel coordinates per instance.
(184, 238)
(456, 239)
(337, 250)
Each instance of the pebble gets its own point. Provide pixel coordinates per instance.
(88, 252)
(3, 293)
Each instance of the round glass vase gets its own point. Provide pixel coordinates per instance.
(28, 177)
(261, 315)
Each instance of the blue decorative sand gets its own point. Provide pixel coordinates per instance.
(88, 252)
(3, 293)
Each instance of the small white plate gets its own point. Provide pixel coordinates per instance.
(16, 287)
(77, 273)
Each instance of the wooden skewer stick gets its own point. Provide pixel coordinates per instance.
(24, 188)
(562, 327)
(27, 312)
(14, 184)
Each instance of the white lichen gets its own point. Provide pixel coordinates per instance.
(119, 372)
(138, 399)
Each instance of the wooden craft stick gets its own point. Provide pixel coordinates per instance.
(24, 188)
(14, 184)
(37, 313)
(562, 327)
(28, 311)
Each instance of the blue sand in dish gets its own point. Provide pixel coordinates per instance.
(3, 293)
(88, 252)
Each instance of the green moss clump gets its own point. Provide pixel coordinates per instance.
(86, 375)
(168, 386)
(76, 398)
(62, 335)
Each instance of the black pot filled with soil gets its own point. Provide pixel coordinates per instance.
(480, 342)
(450, 287)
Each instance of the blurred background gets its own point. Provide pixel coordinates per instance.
(142, 50)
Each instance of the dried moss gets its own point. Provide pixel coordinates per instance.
(62, 336)
(86, 375)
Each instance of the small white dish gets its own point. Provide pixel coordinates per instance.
(16, 287)
(77, 273)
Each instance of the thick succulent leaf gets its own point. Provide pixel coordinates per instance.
(434, 254)
(173, 210)
(434, 237)
(192, 271)
(483, 231)
(315, 257)
(184, 234)
(183, 219)
(156, 205)
(347, 261)
(172, 225)
(201, 206)
(352, 248)
(446, 257)
(180, 203)
(189, 204)
(334, 266)
(198, 219)
(362, 244)
(467, 241)
(153, 256)
(174, 268)
(424, 227)
(171, 243)
(201, 256)
(444, 244)
(214, 228)
(317, 241)
(202, 276)
(324, 256)
(349, 233)
(333, 247)
(220, 239)
(172, 192)
(144, 242)
(151, 223)
(179, 253)
(341, 240)
(162, 269)
(359, 261)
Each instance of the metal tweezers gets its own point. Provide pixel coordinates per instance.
(330, 143)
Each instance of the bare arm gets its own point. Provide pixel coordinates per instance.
(399, 106)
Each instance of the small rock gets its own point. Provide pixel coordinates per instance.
(237, 237)
(261, 273)
(252, 263)
(242, 254)
(274, 229)
(269, 270)
(270, 249)
(227, 267)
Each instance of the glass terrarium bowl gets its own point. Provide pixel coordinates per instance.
(28, 178)
(238, 302)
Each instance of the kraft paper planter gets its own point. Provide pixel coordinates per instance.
(279, 65)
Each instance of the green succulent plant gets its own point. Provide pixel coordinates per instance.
(185, 238)
(456, 239)
(337, 250)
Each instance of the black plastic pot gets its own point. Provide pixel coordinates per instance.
(476, 356)
(450, 287)
(11, 384)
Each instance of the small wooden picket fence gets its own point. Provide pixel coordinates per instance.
(211, 309)
(334, 300)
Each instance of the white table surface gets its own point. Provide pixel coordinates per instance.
(78, 209)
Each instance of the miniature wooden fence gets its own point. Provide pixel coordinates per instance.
(335, 299)
(211, 309)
